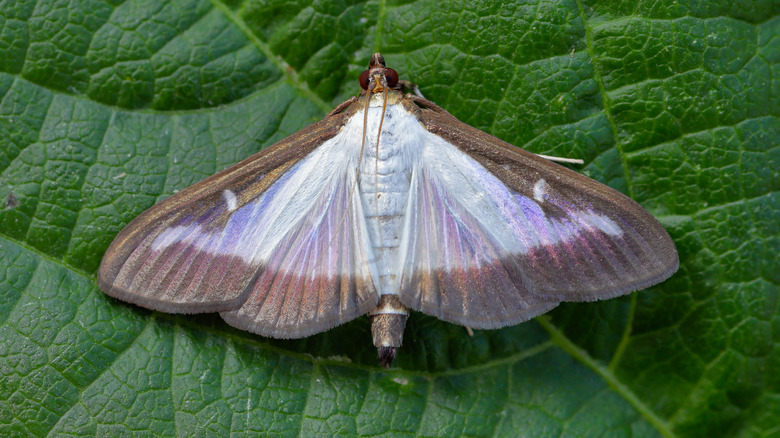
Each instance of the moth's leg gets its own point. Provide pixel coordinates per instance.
(406, 85)
(562, 160)
(469, 331)
(342, 106)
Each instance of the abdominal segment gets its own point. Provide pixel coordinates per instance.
(384, 184)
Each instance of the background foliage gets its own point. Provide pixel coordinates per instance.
(107, 106)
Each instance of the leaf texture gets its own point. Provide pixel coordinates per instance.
(109, 107)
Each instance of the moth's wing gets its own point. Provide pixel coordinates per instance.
(272, 242)
(497, 235)
(319, 273)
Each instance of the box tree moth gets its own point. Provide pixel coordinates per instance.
(387, 204)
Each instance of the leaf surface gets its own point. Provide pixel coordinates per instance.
(109, 107)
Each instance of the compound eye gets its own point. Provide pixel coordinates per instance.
(392, 77)
(364, 80)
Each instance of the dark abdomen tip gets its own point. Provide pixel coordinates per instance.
(386, 356)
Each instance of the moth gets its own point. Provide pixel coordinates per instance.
(387, 204)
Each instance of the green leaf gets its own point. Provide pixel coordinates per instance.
(107, 107)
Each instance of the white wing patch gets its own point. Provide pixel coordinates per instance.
(539, 190)
(300, 198)
(230, 199)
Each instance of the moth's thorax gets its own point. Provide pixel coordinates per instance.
(378, 99)
(384, 184)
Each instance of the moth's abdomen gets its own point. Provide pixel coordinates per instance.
(384, 190)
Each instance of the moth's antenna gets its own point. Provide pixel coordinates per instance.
(365, 128)
(381, 120)
(376, 154)
(359, 163)
(372, 80)
(360, 157)
(324, 249)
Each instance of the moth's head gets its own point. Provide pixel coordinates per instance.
(378, 78)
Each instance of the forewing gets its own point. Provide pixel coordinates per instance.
(497, 235)
(214, 246)
(318, 274)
